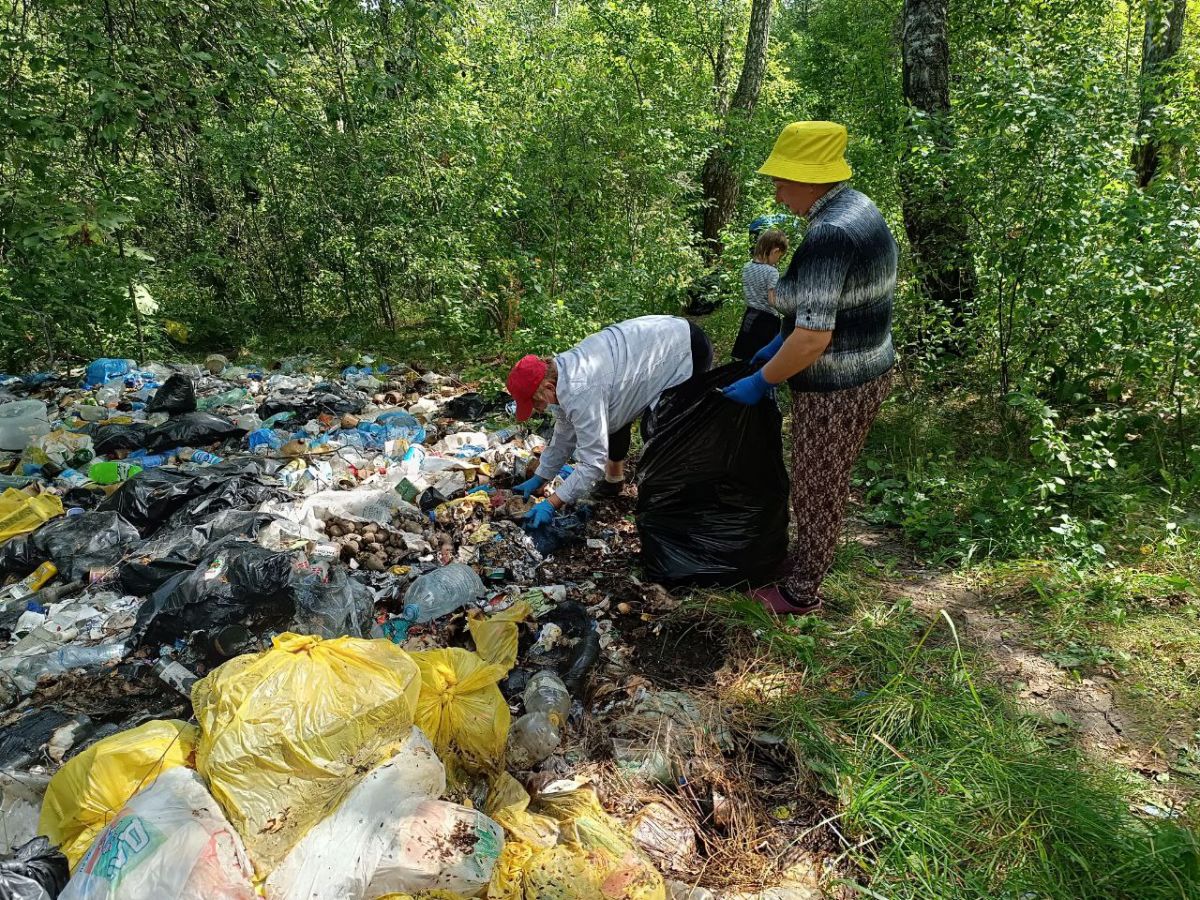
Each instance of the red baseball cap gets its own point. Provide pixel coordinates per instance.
(523, 380)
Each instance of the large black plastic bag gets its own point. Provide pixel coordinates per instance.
(180, 549)
(186, 498)
(177, 395)
(237, 579)
(75, 545)
(108, 439)
(35, 871)
(713, 488)
(194, 429)
(326, 397)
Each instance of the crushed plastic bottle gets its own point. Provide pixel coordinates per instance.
(27, 672)
(235, 397)
(177, 675)
(546, 693)
(33, 582)
(442, 591)
(533, 738)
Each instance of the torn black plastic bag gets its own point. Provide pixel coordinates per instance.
(473, 406)
(35, 871)
(110, 439)
(236, 581)
(179, 499)
(180, 549)
(194, 429)
(76, 545)
(713, 488)
(177, 395)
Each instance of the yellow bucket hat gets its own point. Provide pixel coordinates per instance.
(811, 152)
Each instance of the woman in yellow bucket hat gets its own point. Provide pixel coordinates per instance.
(834, 348)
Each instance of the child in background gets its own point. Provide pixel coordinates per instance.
(760, 323)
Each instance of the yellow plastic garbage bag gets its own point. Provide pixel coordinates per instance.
(88, 792)
(285, 734)
(602, 853)
(496, 635)
(461, 709)
(508, 803)
(508, 877)
(21, 513)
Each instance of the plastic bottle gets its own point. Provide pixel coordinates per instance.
(534, 737)
(33, 582)
(112, 472)
(27, 672)
(177, 675)
(443, 590)
(546, 693)
(204, 458)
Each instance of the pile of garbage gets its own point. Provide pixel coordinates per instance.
(275, 633)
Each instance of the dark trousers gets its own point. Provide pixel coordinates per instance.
(702, 360)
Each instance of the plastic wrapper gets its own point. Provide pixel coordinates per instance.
(712, 487)
(60, 448)
(176, 395)
(21, 796)
(106, 369)
(34, 871)
(235, 579)
(22, 422)
(287, 733)
(361, 829)
(21, 513)
(194, 429)
(170, 840)
(87, 792)
(75, 545)
(337, 607)
(461, 708)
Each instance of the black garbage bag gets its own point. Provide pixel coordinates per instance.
(76, 544)
(713, 488)
(473, 406)
(236, 580)
(37, 870)
(162, 495)
(24, 733)
(194, 429)
(109, 439)
(326, 397)
(177, 395)
(564, 529)
(180, 549)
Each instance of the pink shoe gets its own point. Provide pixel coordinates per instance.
(775, 600)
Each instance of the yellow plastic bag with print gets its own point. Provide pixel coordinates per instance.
(285, 734)
(88, 792)
(508, 803)
(496, 635)
(21, 513)
(461, 709)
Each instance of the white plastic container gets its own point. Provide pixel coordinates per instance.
(21, 422)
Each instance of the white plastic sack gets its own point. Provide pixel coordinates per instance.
(170, 840)
(391, 836)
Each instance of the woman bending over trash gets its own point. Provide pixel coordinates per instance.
(597, 389)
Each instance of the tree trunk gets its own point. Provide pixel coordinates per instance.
(1162, 40)
(933, 217)
(719, 179)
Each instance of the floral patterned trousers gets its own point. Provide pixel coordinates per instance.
(828, 432)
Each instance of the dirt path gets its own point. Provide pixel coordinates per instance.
(1091, 706)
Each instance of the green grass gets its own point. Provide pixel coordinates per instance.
(944, 789)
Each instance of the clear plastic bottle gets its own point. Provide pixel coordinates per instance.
(533, 738)
(235, 397)
(27, 672)
(546, 693)
(442, 591)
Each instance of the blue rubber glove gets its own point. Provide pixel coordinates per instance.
(527, 488)
(749, 390)
(763, 356)
(541, 514)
